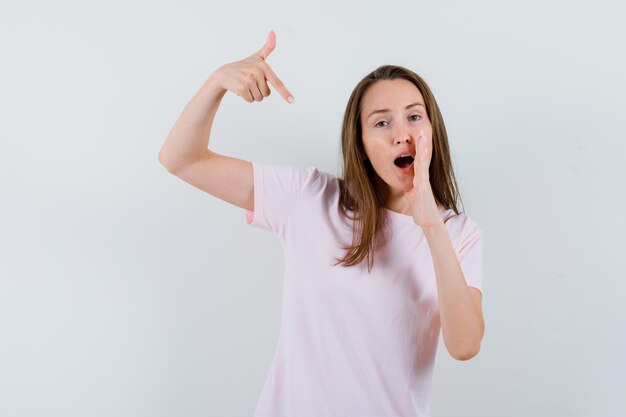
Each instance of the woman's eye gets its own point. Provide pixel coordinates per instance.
(382, 123)
(414, 117)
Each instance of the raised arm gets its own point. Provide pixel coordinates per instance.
(185, 152)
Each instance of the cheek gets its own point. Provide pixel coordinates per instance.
(428, 129)
(372, 143)
(425, 127)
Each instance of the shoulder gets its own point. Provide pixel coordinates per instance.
(301, 179)
(460, 226)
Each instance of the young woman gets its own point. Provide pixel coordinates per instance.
(377, 262)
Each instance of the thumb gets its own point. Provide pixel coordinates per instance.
(269, 46)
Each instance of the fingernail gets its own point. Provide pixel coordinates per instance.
(291, 99)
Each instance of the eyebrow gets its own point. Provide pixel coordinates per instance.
(388, 110)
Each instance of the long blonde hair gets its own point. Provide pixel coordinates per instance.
(362, 191)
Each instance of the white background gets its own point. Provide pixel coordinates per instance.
(126, 292)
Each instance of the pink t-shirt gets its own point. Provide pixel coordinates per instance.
(352, 343)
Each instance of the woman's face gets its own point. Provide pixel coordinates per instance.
(392, 117)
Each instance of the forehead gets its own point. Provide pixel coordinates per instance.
(390, 94)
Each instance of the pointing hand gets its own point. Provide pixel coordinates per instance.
(249, 77)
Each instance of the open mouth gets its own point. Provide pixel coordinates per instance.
(404, 161)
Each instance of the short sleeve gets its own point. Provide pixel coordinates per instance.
(468, 243)
(276, 189)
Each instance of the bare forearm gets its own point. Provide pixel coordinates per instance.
(189, 137)
(248, 78)
(461, 317)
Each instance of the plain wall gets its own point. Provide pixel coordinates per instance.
(126, 292)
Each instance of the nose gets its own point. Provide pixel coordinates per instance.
(402, 134)
(404, 138)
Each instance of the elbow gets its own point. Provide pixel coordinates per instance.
(174, 162)
(465, 353)
(167, 162)
(465, 345)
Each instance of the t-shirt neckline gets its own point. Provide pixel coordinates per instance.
(405, 217)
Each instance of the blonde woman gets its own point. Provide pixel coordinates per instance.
(378, 261)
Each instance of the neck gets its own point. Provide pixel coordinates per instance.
(399, 204)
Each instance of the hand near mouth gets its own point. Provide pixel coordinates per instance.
(421, 198)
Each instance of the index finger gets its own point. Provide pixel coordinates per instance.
(278, 85)
(422, 149)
